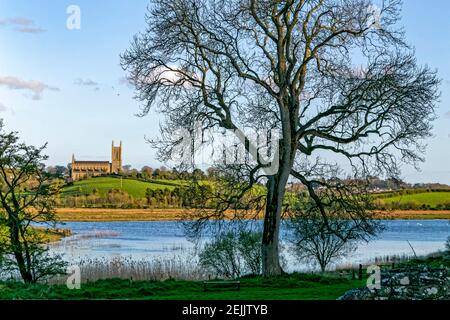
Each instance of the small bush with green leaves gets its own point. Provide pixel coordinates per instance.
(233, 254)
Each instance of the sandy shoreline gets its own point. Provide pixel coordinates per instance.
(109, 215)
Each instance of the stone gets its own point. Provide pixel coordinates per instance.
(413, 283)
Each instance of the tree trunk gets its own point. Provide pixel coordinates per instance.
(18, 252)
(270, 241)
(323, 267)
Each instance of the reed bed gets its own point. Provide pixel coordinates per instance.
(178, 267)
(98, 235)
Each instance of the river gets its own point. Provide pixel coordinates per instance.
(144, 240)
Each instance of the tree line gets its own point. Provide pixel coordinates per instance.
(145, 173)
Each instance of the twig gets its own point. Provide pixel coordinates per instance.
(414, 251)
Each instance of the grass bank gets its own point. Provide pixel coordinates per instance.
(48, 234)
(288, 287)
(294, 286)
(108, 215)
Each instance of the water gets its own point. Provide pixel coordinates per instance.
(142, 240)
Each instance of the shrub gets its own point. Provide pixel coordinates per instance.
(233, 254)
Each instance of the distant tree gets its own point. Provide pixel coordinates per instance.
(57, 171)
(198, 174)
(147, 172)
(175, 173)
(126, 168)
(212, 173)
(133, 173)
(184, 175)
(157, 174)
(22, 168)
(163, 173)
(149, 194)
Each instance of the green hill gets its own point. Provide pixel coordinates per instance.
(433, 199)
(103, 185)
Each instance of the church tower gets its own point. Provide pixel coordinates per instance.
(116, 158)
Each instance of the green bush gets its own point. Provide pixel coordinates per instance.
(233, 254)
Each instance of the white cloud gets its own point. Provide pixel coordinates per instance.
(37, 88)
(23, 24)
(31, 30)
(22, 21)
(3, 108)
(85, 82)
(447, 114)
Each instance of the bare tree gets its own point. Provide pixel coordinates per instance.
(324, 242)
(312, 242)
(27, 200)
(335, 78)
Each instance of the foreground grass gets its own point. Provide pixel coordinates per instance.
(288, 287)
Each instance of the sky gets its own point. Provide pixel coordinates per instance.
(65, 86)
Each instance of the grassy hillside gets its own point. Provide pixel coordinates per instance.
(432, 200)
(412, 199)
(103, 185)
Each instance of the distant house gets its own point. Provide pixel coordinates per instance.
(82, 169)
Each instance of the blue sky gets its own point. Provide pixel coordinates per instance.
(63, 86)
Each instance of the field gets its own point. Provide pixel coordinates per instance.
(414, 215)
(404, 204)
(288, 287)
(432, 199)
(106, 214)
(134, 188)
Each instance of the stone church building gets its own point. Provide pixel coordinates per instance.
(81, 169)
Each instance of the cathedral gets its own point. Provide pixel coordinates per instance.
(81, 169)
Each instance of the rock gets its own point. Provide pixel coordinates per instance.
(407, 284)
